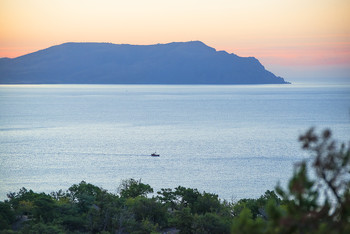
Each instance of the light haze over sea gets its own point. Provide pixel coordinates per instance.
(236, 141)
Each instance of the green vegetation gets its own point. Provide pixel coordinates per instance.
(318, 205)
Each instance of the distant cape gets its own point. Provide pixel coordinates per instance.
(105, 63)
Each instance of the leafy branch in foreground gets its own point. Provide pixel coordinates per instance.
(322, 204)
(317, 205)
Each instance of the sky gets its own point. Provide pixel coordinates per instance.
(296, 39)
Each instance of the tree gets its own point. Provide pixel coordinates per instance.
(134, 188)
(7, 216)
(245, 224)
(184, 220)
(148, 209)
(167, 197)
(39, 205)
(256, 206)
(322, 204)
(211, 223)
(317, 205)
(84, 195)
(186, 197)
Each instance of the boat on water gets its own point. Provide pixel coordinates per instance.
(155, 154)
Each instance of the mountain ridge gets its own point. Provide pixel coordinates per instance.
(105, 63)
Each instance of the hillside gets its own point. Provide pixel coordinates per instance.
(105, 63)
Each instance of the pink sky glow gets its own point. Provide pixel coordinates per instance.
(297, 38)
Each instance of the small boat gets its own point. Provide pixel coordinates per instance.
(155, 154)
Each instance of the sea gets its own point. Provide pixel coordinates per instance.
(236, 141)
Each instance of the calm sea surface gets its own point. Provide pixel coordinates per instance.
(235, 141)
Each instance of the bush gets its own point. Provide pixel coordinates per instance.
(7, 216)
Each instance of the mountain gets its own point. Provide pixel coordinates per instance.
(105, 63)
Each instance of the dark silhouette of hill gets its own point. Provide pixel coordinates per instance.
(105, 63)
